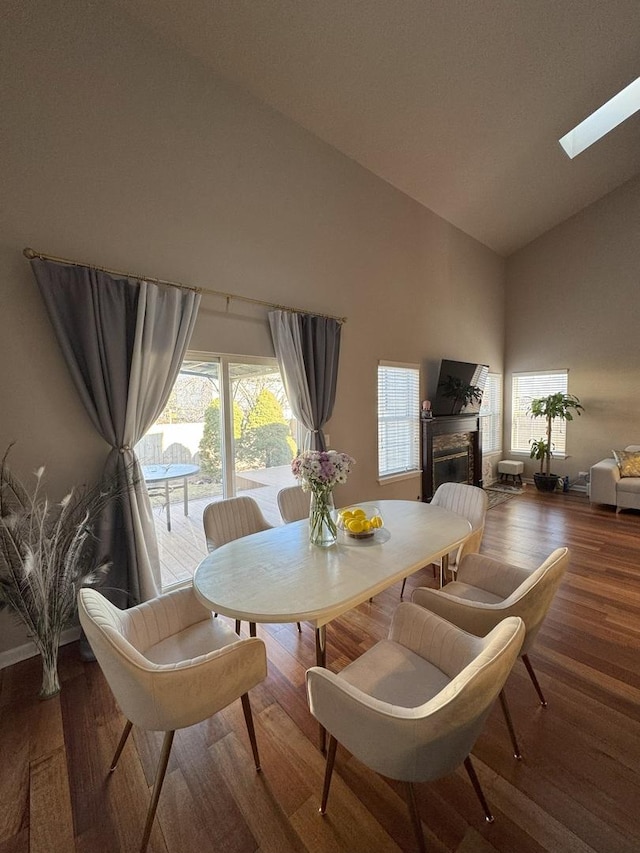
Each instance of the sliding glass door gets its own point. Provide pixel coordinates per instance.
(228, 429)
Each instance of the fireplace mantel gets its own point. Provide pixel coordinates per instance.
(451, 452)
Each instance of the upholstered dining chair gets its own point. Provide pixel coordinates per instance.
(470, 502)
(170, 665)
(293, 504)
(486, 591)
(231, 519)
(412, 707)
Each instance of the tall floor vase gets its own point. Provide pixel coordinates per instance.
(48, 649)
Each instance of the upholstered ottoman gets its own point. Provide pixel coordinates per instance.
(508, 468)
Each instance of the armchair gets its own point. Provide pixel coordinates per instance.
(486, 591)
(412, 707)
(170, 665)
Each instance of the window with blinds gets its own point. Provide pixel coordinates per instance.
(398, 418)
(527, 387)
(491, 414)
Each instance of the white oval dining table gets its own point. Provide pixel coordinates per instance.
(277, 576)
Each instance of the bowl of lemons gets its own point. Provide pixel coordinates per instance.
(360, 522)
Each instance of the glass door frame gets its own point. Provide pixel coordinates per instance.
(224, 360)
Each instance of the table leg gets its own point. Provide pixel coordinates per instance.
(444, 567)
(186, 496)
(321, 660)
(166, 495)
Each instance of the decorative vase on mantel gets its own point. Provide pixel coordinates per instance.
(322, 525)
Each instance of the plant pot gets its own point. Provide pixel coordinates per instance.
(546, 482)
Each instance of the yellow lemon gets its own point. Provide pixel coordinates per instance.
(359, 513)
(355, 525)
(376, 521)
(346, 514)
(366, 525)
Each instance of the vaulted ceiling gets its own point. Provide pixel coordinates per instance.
(458, 103)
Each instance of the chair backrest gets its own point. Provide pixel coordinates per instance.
(470, 502)
(532, 598)
(119, 640)
(527, 594)
(450, 723)
(293, 503)
(231, 519)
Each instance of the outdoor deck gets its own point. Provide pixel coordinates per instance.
(182, 548)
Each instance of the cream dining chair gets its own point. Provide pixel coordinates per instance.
(470, 502)
(293, 504)
(170, 665)
(486, 591)
(412, 707)
(231, 519)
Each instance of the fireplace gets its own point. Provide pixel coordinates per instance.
(451, 468)
(451, 452)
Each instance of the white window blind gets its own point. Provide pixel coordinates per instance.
(398, 418)
(527, 387)
(491, 414)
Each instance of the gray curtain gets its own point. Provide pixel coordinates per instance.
(307, 348)
(124, 341)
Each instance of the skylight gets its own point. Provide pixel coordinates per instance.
(603, 120)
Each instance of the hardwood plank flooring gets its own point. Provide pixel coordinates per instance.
(577, 789)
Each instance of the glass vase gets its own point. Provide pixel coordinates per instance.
(322, 525)
(50, 680)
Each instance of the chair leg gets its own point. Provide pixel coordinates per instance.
(404, 581)
(299, 627)
(415, 816)
(238, 624)
(252, 629)
(533, 678)
(123, 740)
(248, 718)
(157, 787)
(331, 757)
(512, 732)
(477, 788)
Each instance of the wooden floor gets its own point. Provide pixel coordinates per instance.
(577, 789)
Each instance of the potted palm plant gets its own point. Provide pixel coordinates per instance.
(558, 406)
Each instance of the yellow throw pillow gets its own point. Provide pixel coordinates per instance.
(628, 462)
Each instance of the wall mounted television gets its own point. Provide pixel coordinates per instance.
(453, 374)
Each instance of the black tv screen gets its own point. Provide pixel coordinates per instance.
(455, 378)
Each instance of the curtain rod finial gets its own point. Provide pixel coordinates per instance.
(29, 253)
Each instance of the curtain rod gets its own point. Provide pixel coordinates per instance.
(31, 254)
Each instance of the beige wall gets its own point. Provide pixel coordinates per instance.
(572, 302)
(125, 154)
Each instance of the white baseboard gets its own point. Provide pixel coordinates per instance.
(28, 650)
